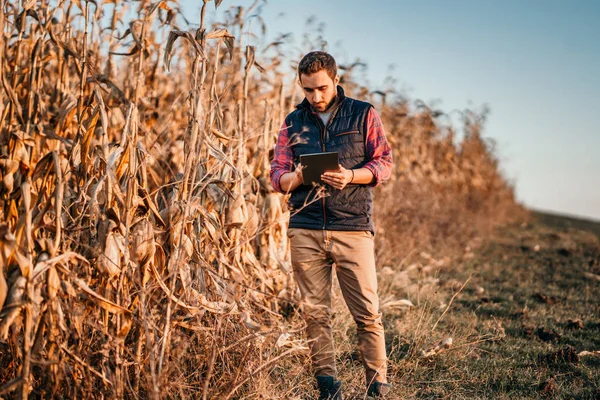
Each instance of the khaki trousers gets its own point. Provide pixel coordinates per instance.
(314, 252)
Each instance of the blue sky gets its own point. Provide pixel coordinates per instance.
(535, 63)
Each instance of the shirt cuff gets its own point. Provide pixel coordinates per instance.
(376, 181)
(275, 181)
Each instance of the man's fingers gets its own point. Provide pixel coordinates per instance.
(335, 179)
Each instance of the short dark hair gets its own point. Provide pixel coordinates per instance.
(316, 61)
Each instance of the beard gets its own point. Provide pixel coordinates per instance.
(321, 107)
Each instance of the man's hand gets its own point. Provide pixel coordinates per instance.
(338, 179)
(291, 180)
(298, 172)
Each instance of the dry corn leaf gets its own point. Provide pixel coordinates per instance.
(101, 109)
(134, 50)
(159, 4)
(114, 158)
(121, 167)
(589, 353)
(185, 276)
(188, 246)
(43, 167)
(142, 245)
(12, 308)
(3, 288)
(86, 142)
(219, 134)
(216, 195)
(41, 267)
(396, 303)
(225, 35)
(8, 181)
(173, 36)
(283, 339)
(67, 110)
(151, 205)
(126, 322)
(61, 318)
(249, 257)
(135, 28)
(159, 259)
(213, 226)
(116, 115)
(251, 324)
(109, 261)
(7, 244)
(252, 222)
(440, 347)
(591, 276)
(272, 208)
(68, 288)
(170, 295)
(53, 282)
(12, 96)
(100, 300)
(219, 307)
(24, 263)
(236, 215)
(94, 203)
(216, 152)
(7, 168)
(250, 56)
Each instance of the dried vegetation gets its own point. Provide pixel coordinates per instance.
(143, 252)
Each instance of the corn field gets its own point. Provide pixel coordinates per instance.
(143, 250)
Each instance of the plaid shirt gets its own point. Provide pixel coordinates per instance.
(378, 150)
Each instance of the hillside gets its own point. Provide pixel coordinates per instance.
(564, 222)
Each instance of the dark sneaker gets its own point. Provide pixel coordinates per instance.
(329, 388)
(378, 390)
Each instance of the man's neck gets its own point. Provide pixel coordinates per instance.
(325, 116)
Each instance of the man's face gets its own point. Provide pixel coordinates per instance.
(319, 89)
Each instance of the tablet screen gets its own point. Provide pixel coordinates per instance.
(315, 164)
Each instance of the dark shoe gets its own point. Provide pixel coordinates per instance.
(329, 388)
(378, 390)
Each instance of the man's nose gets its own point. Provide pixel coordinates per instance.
(317, 97)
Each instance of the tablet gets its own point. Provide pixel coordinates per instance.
(315, 164)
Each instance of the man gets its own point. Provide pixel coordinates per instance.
(338, 228)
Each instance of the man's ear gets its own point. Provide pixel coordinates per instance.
(336, 80)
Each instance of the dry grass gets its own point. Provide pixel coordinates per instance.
(143, 253)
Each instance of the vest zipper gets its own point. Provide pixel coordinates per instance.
(324, 148)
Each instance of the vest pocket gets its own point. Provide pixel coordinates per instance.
(346, 133)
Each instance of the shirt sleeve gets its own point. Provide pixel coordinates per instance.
(379, 152)
(283, 158)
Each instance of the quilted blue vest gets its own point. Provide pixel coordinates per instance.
(351, 208)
